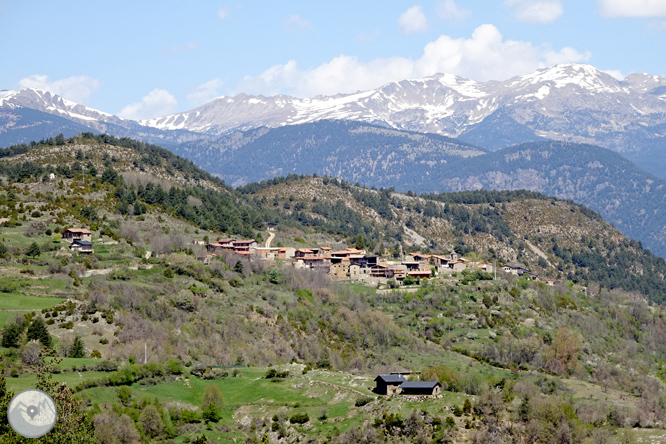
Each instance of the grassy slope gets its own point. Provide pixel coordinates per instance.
(271, 324)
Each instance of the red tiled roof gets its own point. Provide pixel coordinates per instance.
(77, 230)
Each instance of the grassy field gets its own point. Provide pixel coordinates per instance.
(327, 397)
(17, 301)
(72, 379)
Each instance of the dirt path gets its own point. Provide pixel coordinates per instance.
(271, 235)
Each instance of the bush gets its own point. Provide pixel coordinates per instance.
(174, 367)
(299, 418)
(273, 373)
(360, 402)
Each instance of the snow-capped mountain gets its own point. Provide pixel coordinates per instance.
(48, 102)
(24, 116)
(572, 102)
(567, 102)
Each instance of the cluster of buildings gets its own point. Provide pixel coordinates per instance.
(80, 240)
(350, 263)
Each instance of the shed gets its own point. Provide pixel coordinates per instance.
(420, 387)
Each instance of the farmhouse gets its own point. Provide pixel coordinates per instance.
(389, 384)
(73, 234)
(244, 246)
(81, 246)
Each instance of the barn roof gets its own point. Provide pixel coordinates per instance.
(420, 385)
(391, 379)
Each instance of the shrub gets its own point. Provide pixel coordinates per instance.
(299, 418)
(174, 367)
(360, 402)
(273, 373)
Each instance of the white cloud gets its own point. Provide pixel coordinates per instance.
(296, 23)
(204, 93)
(633, 8)
(536, 11)
(448, 10)
(223, 12)
(157, 103)
(484, 56)
(413, 21)
(76, 88)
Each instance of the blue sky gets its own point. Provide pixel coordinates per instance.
(142, 59)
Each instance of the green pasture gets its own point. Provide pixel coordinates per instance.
(27, 380)
(17, 301)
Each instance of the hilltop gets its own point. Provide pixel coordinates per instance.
(294, 352)
(557, 238)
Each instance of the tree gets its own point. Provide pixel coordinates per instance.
(562, 355)
(33, 250)
(211, 403)
(274, 276)
(110, 176)
(151, 420)
(38, 332)
(360, 242)
(11, 335)
(30, 355)
(238, 268)
(78, 350)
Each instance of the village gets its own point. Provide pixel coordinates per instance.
(357, 265)
(346, 264)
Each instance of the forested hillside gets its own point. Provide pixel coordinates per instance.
(352, 151)
(251, 350)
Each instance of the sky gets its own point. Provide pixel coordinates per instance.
(146, 58)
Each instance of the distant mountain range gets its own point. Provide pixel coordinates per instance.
(402, 135)
(571, 102)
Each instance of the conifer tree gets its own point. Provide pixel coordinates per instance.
(33, 250)
(11, 335)
(78, 350)
(39, 332)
